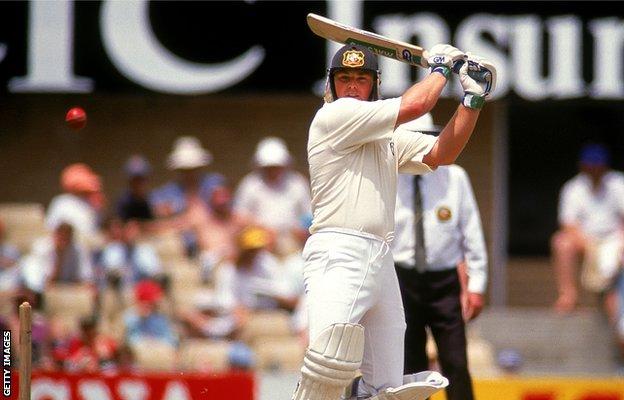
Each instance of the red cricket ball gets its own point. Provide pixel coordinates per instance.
(76, 118)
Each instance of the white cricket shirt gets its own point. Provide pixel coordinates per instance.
(451, 223)
(354, 154)
(597, 213)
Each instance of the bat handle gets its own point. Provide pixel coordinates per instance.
(457, 66)
(479, 76)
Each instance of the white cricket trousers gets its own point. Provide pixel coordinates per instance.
(349, 277)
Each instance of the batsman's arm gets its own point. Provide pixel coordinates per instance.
(420, 98)
(453, 138)
(478, 79)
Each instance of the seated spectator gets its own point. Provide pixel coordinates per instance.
(80, 203)
(134, 203)
(191, 190)
(273, 193)
(9, 266)
(56, 258)
(90, 351)
(217, 229)
(253, 281)
(208, 318)
(124, 258)
(591, 208)
(144, 320)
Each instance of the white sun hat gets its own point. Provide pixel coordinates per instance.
(272, 152)
(188, 153)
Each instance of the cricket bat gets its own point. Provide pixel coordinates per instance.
(381, 45)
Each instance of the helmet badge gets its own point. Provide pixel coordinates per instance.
(353, 59)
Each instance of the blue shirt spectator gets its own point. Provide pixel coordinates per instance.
(172, 196)
(145, 321)
(154, 326)
(126, 257)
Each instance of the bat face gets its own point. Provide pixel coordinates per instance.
(404, 54)
(378, 44)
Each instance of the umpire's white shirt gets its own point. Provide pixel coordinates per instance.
(598, 213)
(354, 154)
(451, 223)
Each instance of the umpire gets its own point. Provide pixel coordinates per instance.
(438, 228)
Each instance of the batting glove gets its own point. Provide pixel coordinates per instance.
(442, 58)
(478, 79)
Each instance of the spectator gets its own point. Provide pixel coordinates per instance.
(191, 190)
(217, 229)
(125, 258)
(144, 320)
(57, 258)
(591, 207)
(253, 281)
(133, 203)
(9, 266)
(80, 203)
(275, 194)
(90, 351)
(208, 318)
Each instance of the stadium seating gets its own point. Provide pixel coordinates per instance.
(279, 353)
(204, 355)
(24, 223)
(262, 324)
(154, 355)
(169, 246)
(71, 300)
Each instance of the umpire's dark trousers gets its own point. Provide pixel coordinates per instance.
(432, 299)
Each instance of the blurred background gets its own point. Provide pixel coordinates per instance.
(153, 206)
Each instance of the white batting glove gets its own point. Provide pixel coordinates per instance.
(442, 58)
(478, 79)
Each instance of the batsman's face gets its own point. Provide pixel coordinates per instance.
(357, 84)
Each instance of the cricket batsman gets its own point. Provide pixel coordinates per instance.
(356, 318)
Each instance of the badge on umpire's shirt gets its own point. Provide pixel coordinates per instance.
(443, 213)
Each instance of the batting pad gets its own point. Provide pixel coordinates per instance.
(417, 386)
(330, 363)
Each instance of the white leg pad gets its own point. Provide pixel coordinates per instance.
(417, 386)
(331, 362)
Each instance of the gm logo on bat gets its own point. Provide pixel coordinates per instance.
(438, 60)
(407, 55)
